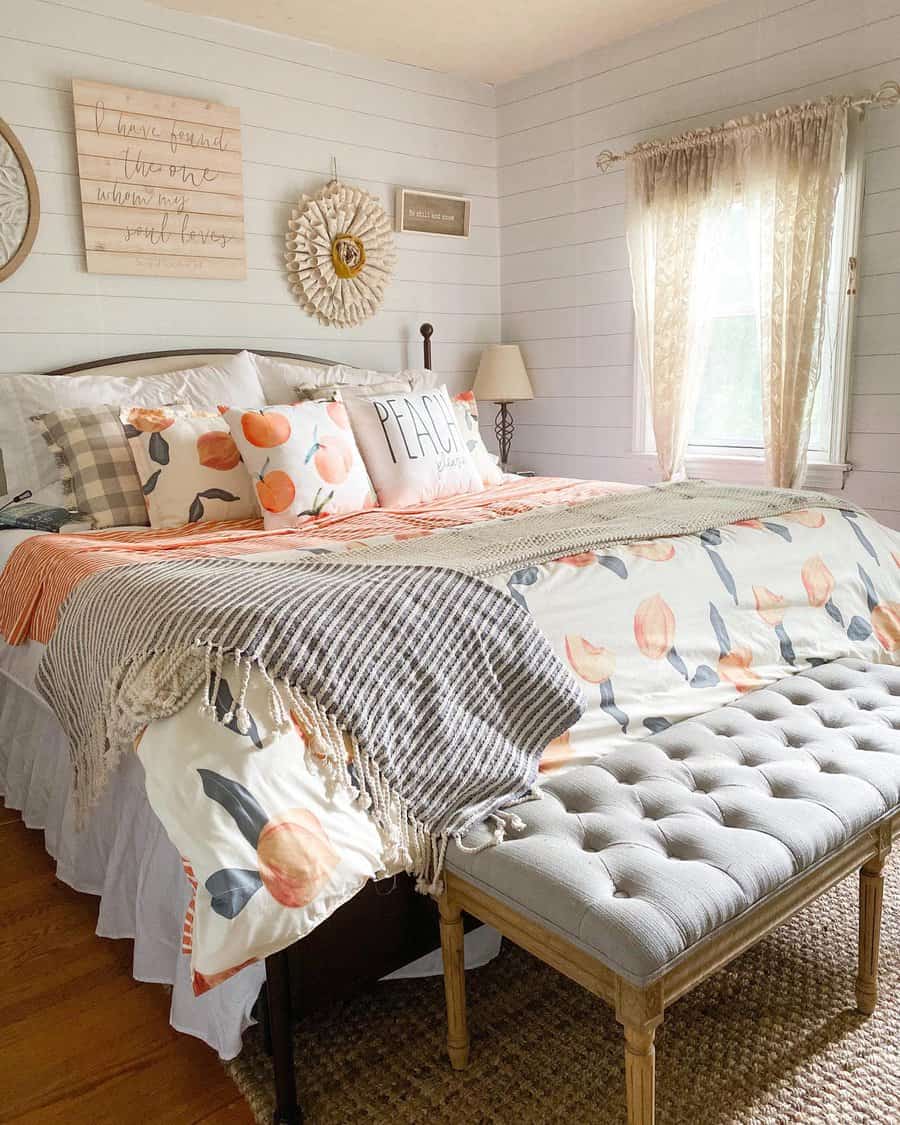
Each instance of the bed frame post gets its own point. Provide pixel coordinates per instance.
(427, 331)
(262, 1016)
(281, 1030)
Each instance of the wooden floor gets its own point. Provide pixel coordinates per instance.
(80, 1041)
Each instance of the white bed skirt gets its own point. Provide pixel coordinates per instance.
(124, 856)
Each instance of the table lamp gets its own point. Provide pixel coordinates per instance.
(502, 379)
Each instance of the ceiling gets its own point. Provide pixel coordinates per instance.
(489, 40)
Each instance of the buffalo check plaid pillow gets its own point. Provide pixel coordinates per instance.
(96, 467)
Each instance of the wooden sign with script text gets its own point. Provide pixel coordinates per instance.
(161, 183)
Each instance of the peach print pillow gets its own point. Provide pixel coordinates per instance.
(466, 408)
(302, 459)
(189, 466)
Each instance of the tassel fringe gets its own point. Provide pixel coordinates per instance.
(157, 685)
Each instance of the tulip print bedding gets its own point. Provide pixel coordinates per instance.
(656, 631)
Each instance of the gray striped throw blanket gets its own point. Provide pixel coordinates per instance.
(446, 690)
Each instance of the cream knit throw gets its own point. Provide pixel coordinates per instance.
(495, 546)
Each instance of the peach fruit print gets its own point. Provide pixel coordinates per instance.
(216, 450)
(591, 662)
(595, 665)
(331, 455)
(150, 421)
(265, 429)
(818, 581)
(771, 608)
(295, 858)
(275, 489)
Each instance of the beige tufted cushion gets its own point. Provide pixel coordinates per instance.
(639, 857)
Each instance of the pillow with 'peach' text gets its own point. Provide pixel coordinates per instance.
(302, 459)
(413, 447)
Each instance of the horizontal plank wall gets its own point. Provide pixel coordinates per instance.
(386, 125)
(565, 283)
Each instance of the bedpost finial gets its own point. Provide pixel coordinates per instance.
(427, 330)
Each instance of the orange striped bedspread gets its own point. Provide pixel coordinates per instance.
(43, 570)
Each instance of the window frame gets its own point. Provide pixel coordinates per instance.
(825, 470)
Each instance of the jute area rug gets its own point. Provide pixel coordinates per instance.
(772, 1038)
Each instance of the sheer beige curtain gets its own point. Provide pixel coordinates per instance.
(795, 166)
(669, 193)
(787, 165)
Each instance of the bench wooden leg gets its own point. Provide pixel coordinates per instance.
(871, 894)
(453, 950)
(640, 1011)
(640, 1075)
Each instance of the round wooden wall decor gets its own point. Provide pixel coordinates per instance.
(340, 254)
(20, 207)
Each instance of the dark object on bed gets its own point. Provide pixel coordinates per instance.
(34, 517)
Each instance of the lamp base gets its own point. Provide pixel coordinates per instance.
(503, 431)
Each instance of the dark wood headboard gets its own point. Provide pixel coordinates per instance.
(426, 330)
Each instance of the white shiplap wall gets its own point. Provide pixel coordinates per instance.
(550, 251)
(386, 124)
(565, 284)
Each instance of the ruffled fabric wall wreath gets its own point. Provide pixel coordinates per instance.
(340, 254)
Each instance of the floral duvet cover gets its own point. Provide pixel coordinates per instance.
(657, 631)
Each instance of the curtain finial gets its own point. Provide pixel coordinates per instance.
(888, 94)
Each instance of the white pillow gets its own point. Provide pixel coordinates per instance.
(279, 377)
(28, 462)
(413, 447)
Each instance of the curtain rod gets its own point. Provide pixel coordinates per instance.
(887, 95)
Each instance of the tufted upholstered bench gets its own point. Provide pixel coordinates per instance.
(641, 875)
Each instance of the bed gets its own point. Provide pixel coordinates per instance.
(655, 628)
(124, 857)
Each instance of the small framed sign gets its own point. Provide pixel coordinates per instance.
(420, 212)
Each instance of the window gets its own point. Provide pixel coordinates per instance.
(728, 420)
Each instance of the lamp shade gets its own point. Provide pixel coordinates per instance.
(501, 375)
